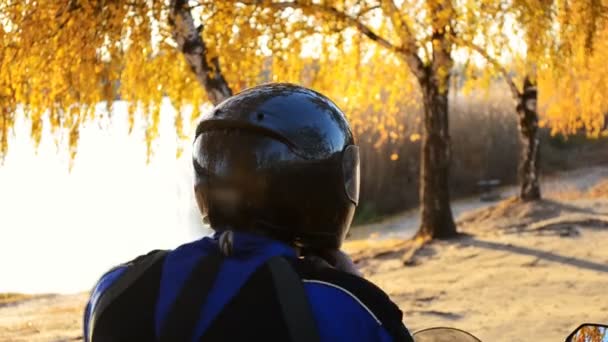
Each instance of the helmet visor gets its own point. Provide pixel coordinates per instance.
(351, 173)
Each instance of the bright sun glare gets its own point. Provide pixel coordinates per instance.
(62, 230)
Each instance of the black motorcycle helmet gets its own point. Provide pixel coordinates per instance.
(278, 159)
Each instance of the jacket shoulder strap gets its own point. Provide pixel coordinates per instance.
(294, 301)
(129, 302)
(185, 311)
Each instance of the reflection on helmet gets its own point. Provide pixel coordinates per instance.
(350, 168)
(278, 159)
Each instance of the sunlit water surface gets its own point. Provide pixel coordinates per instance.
(60, 230)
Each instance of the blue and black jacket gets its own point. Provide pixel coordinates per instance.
(137, 301)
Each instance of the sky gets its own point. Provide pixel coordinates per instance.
(60, 230)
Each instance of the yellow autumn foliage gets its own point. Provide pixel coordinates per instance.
(576, 97)
(564, 44)
(59, 59)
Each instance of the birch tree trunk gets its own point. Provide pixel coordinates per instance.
(530, 155)
(191, 44)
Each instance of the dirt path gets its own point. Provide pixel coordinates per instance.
(404, 225)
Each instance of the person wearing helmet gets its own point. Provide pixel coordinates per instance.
(276, 176)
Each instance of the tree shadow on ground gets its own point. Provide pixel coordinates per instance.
(543, 255)
(569, 207)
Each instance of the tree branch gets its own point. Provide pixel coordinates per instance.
(403, 28)
(191, 44)
(366, 10)
(407, 51)
(495, 64)
(408, 41)
(328, 10)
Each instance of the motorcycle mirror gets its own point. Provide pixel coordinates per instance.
(589, 332)
(441, 334)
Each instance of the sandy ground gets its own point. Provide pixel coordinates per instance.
(522, 272)
(523, 287)
(44, 318)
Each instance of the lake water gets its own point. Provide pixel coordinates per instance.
(60, 230)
